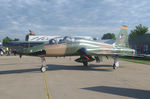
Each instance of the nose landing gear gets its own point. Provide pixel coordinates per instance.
(43, 67)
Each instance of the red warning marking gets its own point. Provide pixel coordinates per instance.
(86, 57)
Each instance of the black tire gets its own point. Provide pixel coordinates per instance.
(114, 66)
(43, 69)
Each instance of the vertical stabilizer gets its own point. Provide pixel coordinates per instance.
(122, 39)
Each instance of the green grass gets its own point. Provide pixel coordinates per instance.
(136, 60)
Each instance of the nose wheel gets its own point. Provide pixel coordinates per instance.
(43, 67)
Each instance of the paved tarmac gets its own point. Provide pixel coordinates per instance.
(66, 79)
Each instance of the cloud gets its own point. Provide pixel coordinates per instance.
(71, 17)
(17, 31)
(60, 2)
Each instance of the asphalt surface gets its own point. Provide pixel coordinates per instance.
(66, 79)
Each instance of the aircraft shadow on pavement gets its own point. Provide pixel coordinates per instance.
(19, 71)
(127, 92)
(52, 67)
(91, 67)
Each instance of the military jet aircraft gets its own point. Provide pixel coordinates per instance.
(87, 50)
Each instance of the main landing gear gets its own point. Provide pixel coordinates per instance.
(43, 67)
(116, 62)
(85, 63)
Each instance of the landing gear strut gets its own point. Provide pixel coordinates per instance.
(116, 62)
(43, 67)
(85, 63)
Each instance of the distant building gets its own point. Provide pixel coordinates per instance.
(31, 37)
(141, 44)
(39, 38)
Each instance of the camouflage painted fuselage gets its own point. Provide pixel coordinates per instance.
(71, 48)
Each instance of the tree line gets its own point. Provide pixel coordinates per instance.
(7, 40)
(138, 31)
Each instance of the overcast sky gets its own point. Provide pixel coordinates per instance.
(71, 17)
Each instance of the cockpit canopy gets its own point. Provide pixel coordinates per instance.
(66, 39)
(52, 41)
(60, 40)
